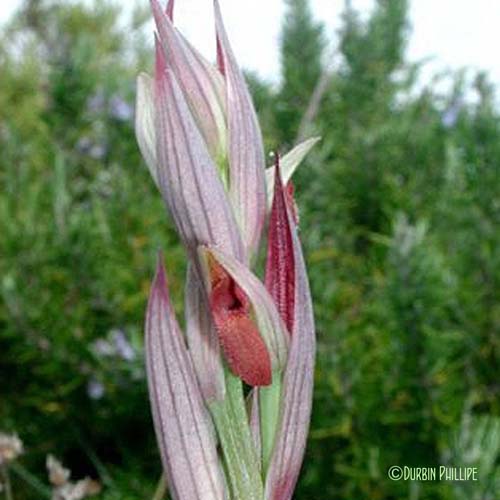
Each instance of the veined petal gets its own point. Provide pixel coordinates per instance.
(246, 153)
(145, 112)
(203, 341)
(270, 326)
(280, 264)
(216, 77)
(297, 388)
(288, 165)
(200, 82)
(187, 175)
(145, 123)
(185, 438)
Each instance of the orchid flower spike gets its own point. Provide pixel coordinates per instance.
(198, 133)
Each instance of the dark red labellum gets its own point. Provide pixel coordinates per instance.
(244, 349)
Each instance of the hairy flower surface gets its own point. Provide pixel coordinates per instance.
(199, 135)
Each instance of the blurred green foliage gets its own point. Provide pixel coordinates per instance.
(400, 211)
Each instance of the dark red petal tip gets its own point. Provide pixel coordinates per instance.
(160, 285)
(280, 264)
(220, 57)
(291, 204)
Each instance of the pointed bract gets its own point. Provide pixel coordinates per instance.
(220, 58)
(297, 388)
(202, 85)
(246, 153)
(280, 264)
(288, 165)
(145, 111)
(187, 175)
(185, 438)
(203, 341)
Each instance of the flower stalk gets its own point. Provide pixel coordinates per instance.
(199, 135)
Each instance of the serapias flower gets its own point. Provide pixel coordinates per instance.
(198, 132)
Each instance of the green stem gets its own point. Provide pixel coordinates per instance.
(231, 422)
(161, 488)
(6, 480)
(269, 405)
(234, 388)
(33, 481)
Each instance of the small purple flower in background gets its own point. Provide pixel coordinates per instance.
(451, 114)
(95, 389)
(84, 144)
(97, 151)
(119, 109)
(87, 146)
(116, 363)
(199, 135)
(116, 344)
(103, 347)
(123, 347)
(97, 102)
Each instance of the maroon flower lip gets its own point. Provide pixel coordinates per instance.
(244, 349)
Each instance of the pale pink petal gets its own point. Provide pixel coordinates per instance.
(246, 154)
(203, 341)
(200, 82)
(187, 176)
(145, 123)
(182, 424)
